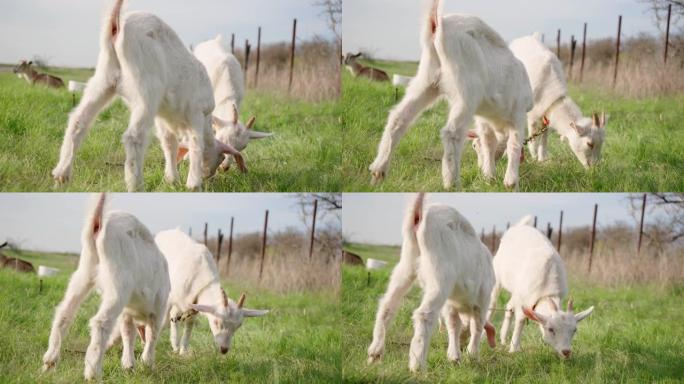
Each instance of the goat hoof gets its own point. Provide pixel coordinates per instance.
(378, 177)
(373, 358)
(48, 365)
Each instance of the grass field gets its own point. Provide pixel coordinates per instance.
(304, 155)
(644, 148)
(633, 336)
(297, 342)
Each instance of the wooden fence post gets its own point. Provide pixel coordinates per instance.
(230, 246)
(206, 227)
(549, 230)
(218, 247)
(263, 246)
(535, 221)
(482, 236)
(573, 45)
(558, 37)
(232, 43)
(190, 231)
(617, 51)
(584, 48)
(247, 49)
(560, 232)
(493, 239)
(667, 32)
(313, 229)
(641, 224)
(292, 53)
(256, 74)
(593, 237)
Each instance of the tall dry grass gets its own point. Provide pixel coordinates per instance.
(316, 75)
(641, 70)
(287, 267)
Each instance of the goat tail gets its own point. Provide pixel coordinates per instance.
(91, 229)
(114, 20)
(414, 215)
(526, 220)
(433, 21)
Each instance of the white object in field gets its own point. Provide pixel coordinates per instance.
(375, 264)
(44, 271)
(399, 80)
(76, 86)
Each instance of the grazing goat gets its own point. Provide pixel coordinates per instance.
(584, 135)
(529, 267)
(195, 287)
(16, 264)
(143, 61)
(228, 83)
(454, 269)
(468, 63)
(26, 71)
(358, 70)
(119, 259)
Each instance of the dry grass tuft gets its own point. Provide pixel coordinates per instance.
(287, 267)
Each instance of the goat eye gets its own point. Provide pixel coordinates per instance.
(551, 330)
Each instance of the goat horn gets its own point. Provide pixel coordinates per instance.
(225, 298)
(241, 300)
(570, 309)
(251, 121)
(235, 114)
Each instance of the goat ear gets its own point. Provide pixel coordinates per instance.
(254, 312)
(578, 129)
(203, 308)
(580, 316)
(30, 62)
(255, 135)
(491, 334)
(357, 55)
(241, 300)
(217, 121)
(472, 134)
(534, 316)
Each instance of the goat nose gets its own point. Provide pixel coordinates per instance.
(224, 350)
(566, 353)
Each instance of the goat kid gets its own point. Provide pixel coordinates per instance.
(529, 267)
(469, 64)
(196, 288)
(142, 60)
(228, 83)
(454, 269)
(120, 260)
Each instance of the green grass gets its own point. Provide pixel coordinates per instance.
(644, 148)
(304, 155)
(299, 341)
(633, 336)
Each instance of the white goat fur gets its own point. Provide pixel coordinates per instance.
(469, 64)
(529, 267)
(120, 260)
(142, 60)
(228, 82)
(454, 269)
(584, 135)
(195, 286)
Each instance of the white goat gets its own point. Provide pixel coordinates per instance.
(143, 61)
(454, 269)
(584, 135)
(469, 64)
(529, 267)
(195, 287)
(228, 83)
(119, 259)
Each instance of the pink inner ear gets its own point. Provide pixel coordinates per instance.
(531, 315)
(491, 335)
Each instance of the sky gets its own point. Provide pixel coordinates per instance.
(389, 29)
(377, 218)
(52, 221)
(66, 32)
